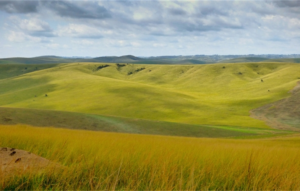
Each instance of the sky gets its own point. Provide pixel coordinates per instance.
(148, 27)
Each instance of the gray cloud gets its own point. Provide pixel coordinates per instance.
(212, 10)
(19, 6)
(200, 26)
(63, 8)
(153, 21)
(77, 10)
(288, 3)
(177, 12)
(151, 17)
(45, 33)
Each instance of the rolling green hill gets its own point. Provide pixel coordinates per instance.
(261, 59)
(71, 120)
(13, 70)
(38, 60)
(121, 59)
(285, 60)
(283, 114)
(215, 94)
(58, 60)
(191, 61)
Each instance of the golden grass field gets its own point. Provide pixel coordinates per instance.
(112, 161)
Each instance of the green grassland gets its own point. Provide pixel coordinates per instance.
(37, 60)
(260, 59)
(285, 60)
(72, 120)
(216, 94)
(13, 70)
(285, 111)
(212, 101)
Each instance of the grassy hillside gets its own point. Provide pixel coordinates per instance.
(215, 94)
(48, 118)
(110, 161)
(121, 59)
(38, 60)
(13, 70)
(284, 113)
(260, 59)
(58, 60)
(286, 60)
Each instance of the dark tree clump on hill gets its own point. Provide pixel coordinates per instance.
(101, 67)
(135, 71)
(119, 66)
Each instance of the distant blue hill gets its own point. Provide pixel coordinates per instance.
(194, 59)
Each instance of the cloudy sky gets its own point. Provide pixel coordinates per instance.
(148, 28)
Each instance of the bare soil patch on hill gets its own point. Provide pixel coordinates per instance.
(16, 162)
(283, 114)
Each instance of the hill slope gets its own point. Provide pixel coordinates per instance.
(283, 114)
(13, 70)
(203, 94)
(115, 59)
(39, 60)
(48, 118)
(58, 60)
(286, 60)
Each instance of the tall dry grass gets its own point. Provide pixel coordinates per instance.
(111, 161)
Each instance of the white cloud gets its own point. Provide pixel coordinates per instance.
(34, 25)
(185, 27)
(135, 44)
(79, 30)
(294, 23)
(21, 37)
(31, 26)
(158, 45)
(56, 46)
(84, 42)
(16, 37)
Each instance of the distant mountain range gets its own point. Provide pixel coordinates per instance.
(194, 59)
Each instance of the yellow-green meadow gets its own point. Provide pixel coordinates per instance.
(212, 94)
(148, 127)
(112, 161)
